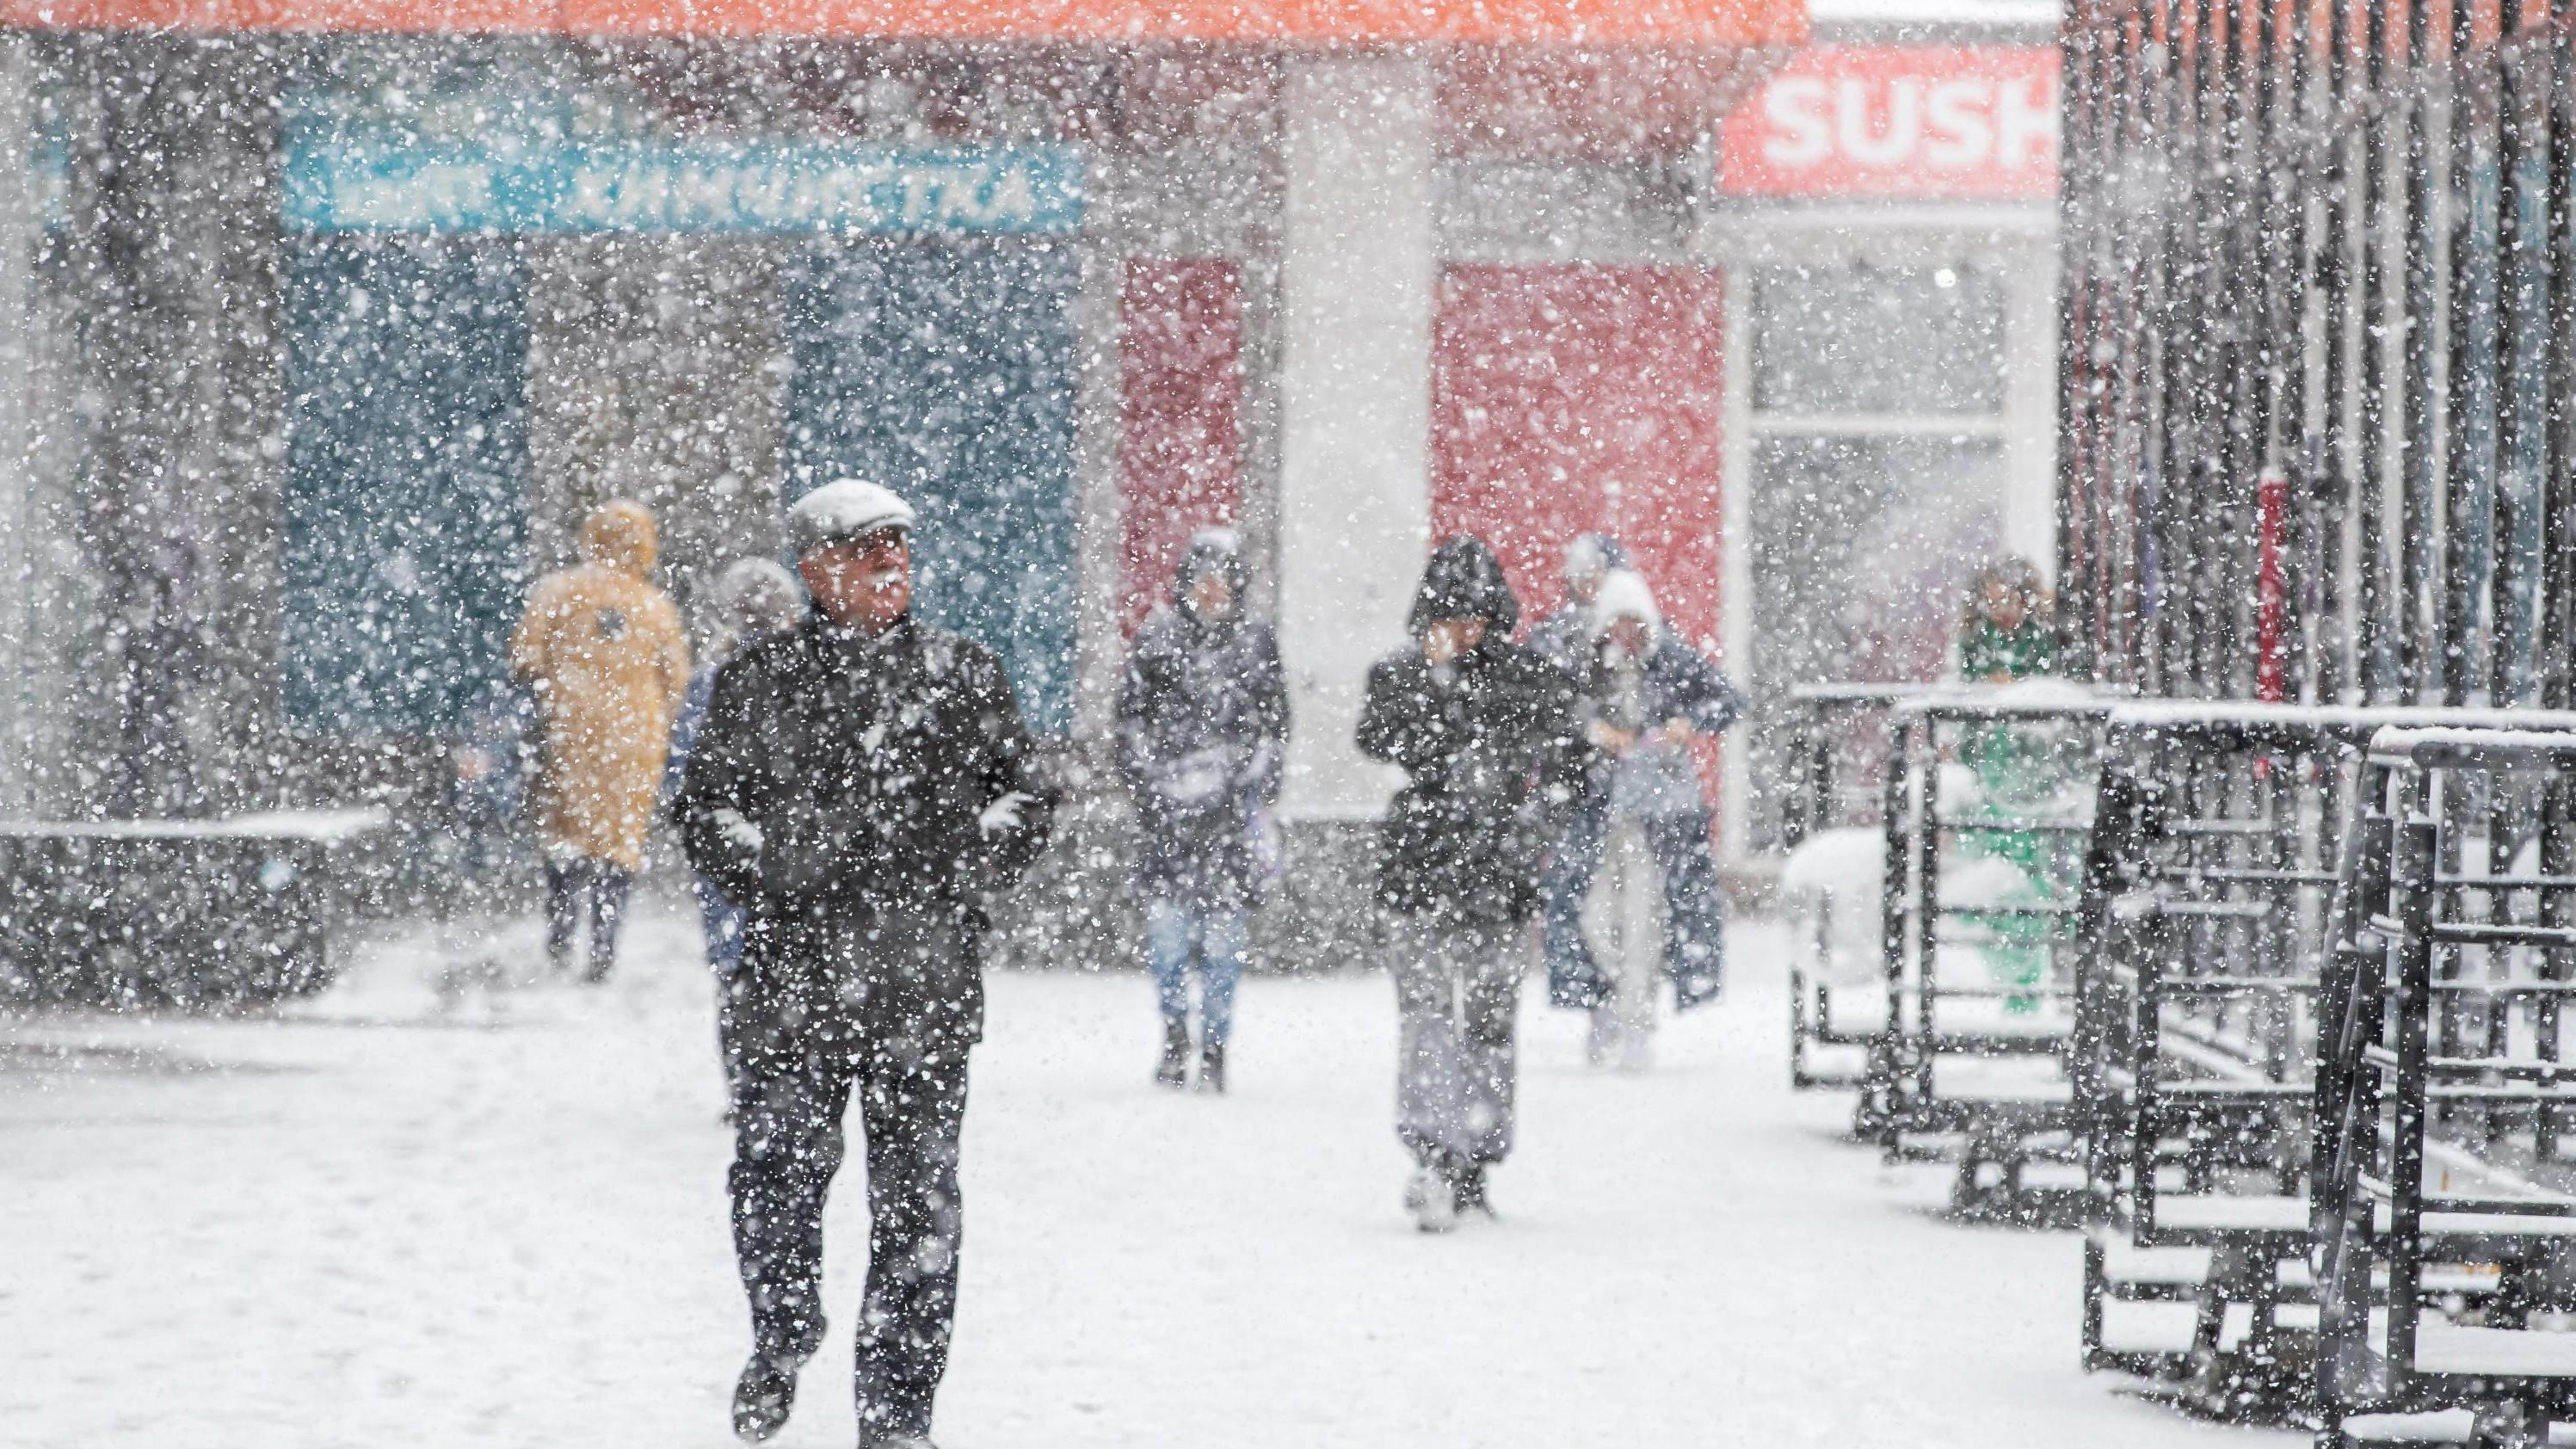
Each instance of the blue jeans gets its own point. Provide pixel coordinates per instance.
(1573, 977)
(1694, 910)
(1178, 933)
(579, 887)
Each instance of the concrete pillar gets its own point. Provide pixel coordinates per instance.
(1357, 268)
(18, 226)
(2030, 406)
(1099, 651)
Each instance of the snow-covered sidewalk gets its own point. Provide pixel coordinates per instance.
(497, 1218)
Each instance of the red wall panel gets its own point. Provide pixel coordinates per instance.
(1180, 393)
(1568, 399)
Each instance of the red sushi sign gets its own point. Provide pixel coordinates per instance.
(1920, 122)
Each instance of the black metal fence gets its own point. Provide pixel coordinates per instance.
(2319, 327)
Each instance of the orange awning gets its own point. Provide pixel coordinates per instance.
(1678, 24)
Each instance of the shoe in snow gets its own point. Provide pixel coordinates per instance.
(1432, 1198)
(1175, 1068)
(763, 1397)
(1467, 1193)
(1602, 1041)
(898, 1441)
(1212, 1069)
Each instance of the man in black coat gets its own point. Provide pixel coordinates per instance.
(860, 784)
(1485, 732)
(1202, 722)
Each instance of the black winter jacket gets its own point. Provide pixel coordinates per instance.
(1491, 751)
(1202, 721)
(837, 772)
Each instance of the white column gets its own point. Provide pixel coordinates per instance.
(2030, 404)
(1357, 268)
(1098, 650)
(18, 224)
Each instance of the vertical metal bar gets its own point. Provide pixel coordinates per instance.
(2418, 660)
(2370, 480)
(2556, 636)
(2414, 983)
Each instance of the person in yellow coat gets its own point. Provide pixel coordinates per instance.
(603, 651)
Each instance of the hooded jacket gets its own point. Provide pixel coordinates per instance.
(1671, 680)
(1202, 724)
(1488, 744)
(603, 651)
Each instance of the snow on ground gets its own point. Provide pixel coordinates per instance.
(494, 1215)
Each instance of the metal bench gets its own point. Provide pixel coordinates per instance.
(190, 914)
(1839, 737)
(1988, 806)
(2444, 1087)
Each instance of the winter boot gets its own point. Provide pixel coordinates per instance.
(1431, 1195)
(764, 1395)
(1467, 1193)
(1601, 1042)
(1212, 1068)
(1175, 1069)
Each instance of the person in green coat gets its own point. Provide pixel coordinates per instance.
(2006, 635)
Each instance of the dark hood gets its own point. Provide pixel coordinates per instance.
(1464, 581)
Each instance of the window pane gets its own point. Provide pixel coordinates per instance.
(1870, 340)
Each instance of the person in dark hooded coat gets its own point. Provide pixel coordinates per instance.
(1486, 734)
(1202, 722)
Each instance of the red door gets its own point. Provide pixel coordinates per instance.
(1180, 387)
(1572, 399)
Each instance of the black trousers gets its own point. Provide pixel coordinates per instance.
(881, 1008)
(579, 886)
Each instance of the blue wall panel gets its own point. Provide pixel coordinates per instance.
(946, 372)
(406, 513)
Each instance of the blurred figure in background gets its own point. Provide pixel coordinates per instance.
(754, 598)
(1646, 695)
(1485, 733)
(603, 652)
(1202, 723)
(1565, 639)
(2005, 632)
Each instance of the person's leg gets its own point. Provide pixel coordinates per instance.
(1168, 932)
(787, 1147)
(608, 888)
(1694, 907)
(1574, 978)
(1224, 934)
(563, 910)
(1492, 960)
(913, 1104)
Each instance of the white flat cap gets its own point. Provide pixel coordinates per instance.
(842, 509)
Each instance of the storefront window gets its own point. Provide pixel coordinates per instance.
(1861, 339)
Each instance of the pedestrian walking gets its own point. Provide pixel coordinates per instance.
(862, 785)
(1202, 724)
(603, 652)
(753, 598)
(1647, 694)
(1485, 733)
(2006, 636)
(1564, 639)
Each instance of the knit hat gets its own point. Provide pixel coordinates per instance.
(1624, 595)
(844, 509)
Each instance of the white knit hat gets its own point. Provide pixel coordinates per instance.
(1624, 595)
(843, 509)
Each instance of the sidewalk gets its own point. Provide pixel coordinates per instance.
(500, 1221)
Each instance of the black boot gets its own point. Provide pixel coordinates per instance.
(764, 1395)
(1212, 1068)
(1175, 1070)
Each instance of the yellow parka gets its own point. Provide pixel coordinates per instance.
(604, 651)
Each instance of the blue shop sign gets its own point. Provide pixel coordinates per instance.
(341, 185)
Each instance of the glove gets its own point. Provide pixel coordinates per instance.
(740, 840)
(1002, 817)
